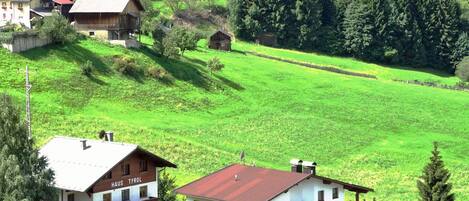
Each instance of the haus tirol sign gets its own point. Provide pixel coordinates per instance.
(128, 182)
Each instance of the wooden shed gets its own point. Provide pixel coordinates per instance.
(220, 40)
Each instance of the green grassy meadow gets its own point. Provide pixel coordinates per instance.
(376, 133)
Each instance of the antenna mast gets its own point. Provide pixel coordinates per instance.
(28, 104)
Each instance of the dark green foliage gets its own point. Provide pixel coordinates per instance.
(57, 28)
(183, 38)
(462, 69)
(170, 49)
(214, 65)
(157, 73)
(87, 68)
(406, 36)
(359, 30)
(433, 184)
(166, 187)
(125, 65)
(24, 175)
(417, 33)
(461, 49)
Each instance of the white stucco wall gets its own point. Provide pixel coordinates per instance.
(78, 196)
(14, 15)
(134, 192)
(308, 191)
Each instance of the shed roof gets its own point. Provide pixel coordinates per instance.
(64, 2)
(77, 169)
(253, 183)
(101, 6)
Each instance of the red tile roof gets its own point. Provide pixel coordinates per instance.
(63, 2)
(253, 184)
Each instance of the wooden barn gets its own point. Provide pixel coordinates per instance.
(220, 40)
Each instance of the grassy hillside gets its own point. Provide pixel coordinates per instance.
(376, 133)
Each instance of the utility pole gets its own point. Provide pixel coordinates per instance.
(28, 104)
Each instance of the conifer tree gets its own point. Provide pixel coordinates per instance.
(359, 30)
(433, 184)
(406, 34)
(309, 19)
(24, 175)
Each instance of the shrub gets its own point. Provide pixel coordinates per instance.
(462, 70)
(170, 49)
(125, 65)
(183, 38)
(87, 68)
(157, 73)
(57, 28)
(215, 65)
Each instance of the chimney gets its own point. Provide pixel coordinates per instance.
(309, 167)
(296, 165)
(110, 136)
(84, 145)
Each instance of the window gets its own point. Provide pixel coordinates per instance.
(143, 191)
(320, 195)
(91, 33)
(143, 166)
(125, 169)
(20, 6)
(4, 16)
(108, 175)
(71, 197)
(4, 5)
(126, 195)
(335, 193)
(107, 197)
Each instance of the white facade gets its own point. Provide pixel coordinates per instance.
(116, 194)
(306, 190)
(14, 12)
(309, 189)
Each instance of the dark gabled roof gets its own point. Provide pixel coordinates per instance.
(223, 32)
(252, 183)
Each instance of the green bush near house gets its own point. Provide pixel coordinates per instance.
(57, 28)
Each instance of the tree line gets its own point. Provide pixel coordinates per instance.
(419, 33)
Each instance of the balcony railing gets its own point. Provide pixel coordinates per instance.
(116, 26)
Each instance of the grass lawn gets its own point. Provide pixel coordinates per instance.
(375, 133)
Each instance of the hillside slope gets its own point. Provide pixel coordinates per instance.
(376, 133)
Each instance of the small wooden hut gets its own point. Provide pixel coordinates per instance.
(220, 40)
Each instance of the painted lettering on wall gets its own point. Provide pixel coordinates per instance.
(135, 180)
(131, 181)
(117, 184)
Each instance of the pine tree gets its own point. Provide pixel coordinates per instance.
(406, 35)
(433, 184)
(309, 19)
(24, 174)
(359, 30)
(166, 187)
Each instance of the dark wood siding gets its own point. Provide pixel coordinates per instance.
(108, 21)
(220, 41)
(135, 177)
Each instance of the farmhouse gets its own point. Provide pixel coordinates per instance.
(220, 40)
(15, 12)
(107, 19)
(241, 183)
(93, 170)
(43, 8)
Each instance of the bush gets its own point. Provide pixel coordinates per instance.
(57, 28)
(87, 68)
(157, 73)
(462, 70)
(214, 65)
(170, 49)
(125, 65)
